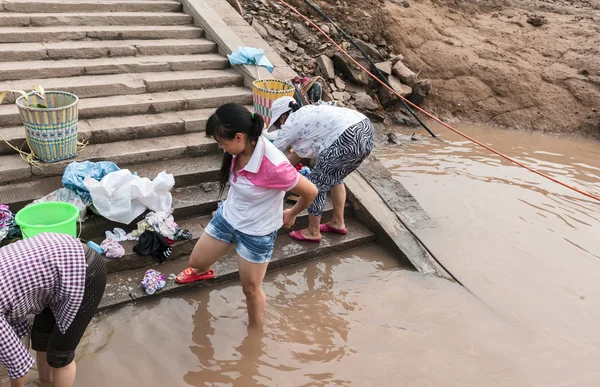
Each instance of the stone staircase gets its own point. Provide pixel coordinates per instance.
(147, 79)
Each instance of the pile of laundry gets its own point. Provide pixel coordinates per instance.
(154, 235)
(8, 227)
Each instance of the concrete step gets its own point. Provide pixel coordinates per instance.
(54, 34)
(124, 287)
(187, 172)
(90, 49)
(55, 6)
(113, 129)
(92, 86)
(13, 168)
(195, 225)
(43, 69)
(127, 105)
(14, 19)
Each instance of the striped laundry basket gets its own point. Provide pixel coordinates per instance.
(265, 91)
(50, 124)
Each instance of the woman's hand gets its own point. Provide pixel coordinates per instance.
(307, 192)
(289, 218)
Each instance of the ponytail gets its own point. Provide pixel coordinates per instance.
(227, 121)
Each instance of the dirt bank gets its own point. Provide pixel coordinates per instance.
(516, 63)
(489, 65)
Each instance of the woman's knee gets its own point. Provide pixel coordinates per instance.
(251, 290)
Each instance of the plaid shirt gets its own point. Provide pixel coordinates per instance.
(44, 271)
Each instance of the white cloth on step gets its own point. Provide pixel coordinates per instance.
(121, 196)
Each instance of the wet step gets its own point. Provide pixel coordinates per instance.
(55, 6)
(17, 71)
(91, 49)
(141, 104)
(195, 225)
(66, 33)
(186, 171)
(93, 86)
(122, 153)
(124, 287)
(15, 19)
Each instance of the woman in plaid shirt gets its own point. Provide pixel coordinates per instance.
(61, 281)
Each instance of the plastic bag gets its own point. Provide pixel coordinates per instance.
(121, 196)
(65, 195)
(76, 173)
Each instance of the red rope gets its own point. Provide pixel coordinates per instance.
(434, 117)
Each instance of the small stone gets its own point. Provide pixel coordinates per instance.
(346, 96)
(300, 51)
(406, 75)
(536, 21)
(333, 87)
(363, 101)
(338, 95)
(274, 33)
(326, 66)
(262, 31)
(420, 91)
(292, 46)
(397, 59)
(339, 83)
(406, 4)
(385, 67)
(323, 46)
(387, 98)
(206, 187)
(365, 37)
(584, 72)
(392, 138)
(300, 32)
(325, 29)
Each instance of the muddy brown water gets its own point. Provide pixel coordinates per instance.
(527, 251)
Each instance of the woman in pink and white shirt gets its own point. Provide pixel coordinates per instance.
(258, 175)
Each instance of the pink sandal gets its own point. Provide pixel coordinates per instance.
(297, 235)
(327, 228)
(189, 276)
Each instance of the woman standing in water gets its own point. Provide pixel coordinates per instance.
(258, 176)
(61, 281)
(340, 138)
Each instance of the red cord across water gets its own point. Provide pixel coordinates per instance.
(434, 117)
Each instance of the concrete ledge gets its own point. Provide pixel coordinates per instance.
(222, 24)
(383, 204)
(124, 287)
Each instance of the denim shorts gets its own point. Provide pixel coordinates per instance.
(254, 249)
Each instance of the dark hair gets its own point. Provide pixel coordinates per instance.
(294, 107)
(227, 121)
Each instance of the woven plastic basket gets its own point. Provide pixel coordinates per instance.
(51, 132)
(265, 91)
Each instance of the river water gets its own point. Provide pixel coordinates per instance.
(526, 250)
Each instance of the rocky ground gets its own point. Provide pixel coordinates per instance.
(521, 64)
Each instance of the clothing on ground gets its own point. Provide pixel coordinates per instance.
(112, 248)
(153, 244)
(313, 128)
(77, 172)
(60, 347)
(153, 280)
(339, 160)
(47, 270)
(254, 204)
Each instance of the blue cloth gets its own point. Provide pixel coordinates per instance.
(76, 172)
(250, 56)
(254, 249)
